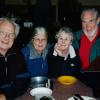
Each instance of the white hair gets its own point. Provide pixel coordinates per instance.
(93, 10)
(66, 30)
(16, 26)
(40, 31)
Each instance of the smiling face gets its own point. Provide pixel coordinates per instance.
(7, 35)
(64, 41)
(89, 23)
(40, 42)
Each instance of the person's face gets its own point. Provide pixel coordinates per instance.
(89, 23)
(39, 42)
(64, 41)
(7, 35)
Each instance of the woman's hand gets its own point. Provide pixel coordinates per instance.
(57, 48)
(2, 97)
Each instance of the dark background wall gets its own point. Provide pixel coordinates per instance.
(52, 14)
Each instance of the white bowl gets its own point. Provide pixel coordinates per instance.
(84, 97)
(43, 91)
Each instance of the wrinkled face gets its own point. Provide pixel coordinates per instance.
(64, 41)
(89, 23)
(7, 35)
(40, 42)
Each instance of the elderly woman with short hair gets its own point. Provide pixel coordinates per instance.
(35, 53)
(62, 58)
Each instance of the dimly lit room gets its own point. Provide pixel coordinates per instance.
(60, 39)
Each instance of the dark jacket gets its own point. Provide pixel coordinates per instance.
(57, 66)
(92, 75)
(95, 50)
(14, 79)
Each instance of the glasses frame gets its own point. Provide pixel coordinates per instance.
(10, 35)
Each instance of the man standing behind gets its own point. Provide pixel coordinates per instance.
(88, 39)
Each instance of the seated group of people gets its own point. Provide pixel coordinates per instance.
(72, 54)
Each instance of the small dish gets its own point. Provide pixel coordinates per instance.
(43, 91)
(67, 80)
(84, 97)
(47, 98)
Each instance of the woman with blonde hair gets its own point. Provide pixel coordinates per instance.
(62, 58)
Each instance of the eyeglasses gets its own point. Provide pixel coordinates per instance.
(88, 22)
(64, 40)
(61, 39)
(39, 40)
(10, 35)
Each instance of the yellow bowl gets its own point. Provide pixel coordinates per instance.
(66, 80)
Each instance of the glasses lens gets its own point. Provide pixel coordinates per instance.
(10, 35)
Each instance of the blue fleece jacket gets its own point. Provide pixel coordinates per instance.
(37, 65)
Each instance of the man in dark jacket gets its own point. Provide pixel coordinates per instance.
(14, 79)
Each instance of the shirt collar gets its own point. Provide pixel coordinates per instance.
(71, 52)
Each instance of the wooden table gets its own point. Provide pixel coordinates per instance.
(62, 92)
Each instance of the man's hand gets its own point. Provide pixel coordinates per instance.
(2, 97)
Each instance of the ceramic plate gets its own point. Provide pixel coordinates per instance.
(41, 91)
(84, 97)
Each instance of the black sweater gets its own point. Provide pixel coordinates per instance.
(14, 79)
(57, 66)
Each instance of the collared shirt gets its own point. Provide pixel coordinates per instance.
(71, 52)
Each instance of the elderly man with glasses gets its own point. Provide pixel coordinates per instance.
(87, 41)
(13, 74)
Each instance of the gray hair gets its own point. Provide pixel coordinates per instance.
(66, 30)
(39, 31)
(90, 10)
(15, 25)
